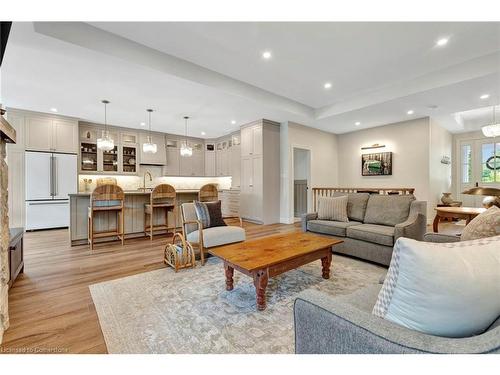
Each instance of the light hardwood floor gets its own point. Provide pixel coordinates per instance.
(50, 306)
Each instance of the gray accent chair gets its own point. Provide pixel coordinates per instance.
(205, 238)
(375, 223)
(345, 325)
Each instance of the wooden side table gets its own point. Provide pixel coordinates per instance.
(461, 213)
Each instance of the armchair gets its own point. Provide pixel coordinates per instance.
(345, 325)
(203, 238)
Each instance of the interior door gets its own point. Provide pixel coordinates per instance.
(65, 175)
(478, 167)
(39, 182)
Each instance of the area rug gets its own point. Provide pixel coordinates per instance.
(191, 312)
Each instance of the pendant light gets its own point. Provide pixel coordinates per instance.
(186, 150)
(149, 147)
(105, 143)
(492, 130)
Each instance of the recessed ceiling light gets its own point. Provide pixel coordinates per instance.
(266, 55)
(327, 85)
(233, 122)
(357, 123)
(410, 112)
(442, 42)
(53, 109)
(143, 124)
(484, 96)
(203, 133)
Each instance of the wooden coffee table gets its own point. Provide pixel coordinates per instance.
(270, 256)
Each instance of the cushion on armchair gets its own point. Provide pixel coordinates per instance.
(486, 224)
(442, 289)
(217, 236)
(209, 214)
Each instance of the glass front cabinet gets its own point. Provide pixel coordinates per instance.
(121, 159)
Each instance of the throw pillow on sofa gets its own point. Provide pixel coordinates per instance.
(209, 213)
(333, 208)
(483, 225)
(442, 289)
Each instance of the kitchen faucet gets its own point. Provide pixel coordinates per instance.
(144, 179)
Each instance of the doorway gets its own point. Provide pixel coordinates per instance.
(301, 181)
(479, 166)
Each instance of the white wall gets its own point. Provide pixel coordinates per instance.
(300, 164)
(324, 164)
(440, 174)
(409, 143)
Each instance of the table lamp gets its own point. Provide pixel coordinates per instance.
(492, 195)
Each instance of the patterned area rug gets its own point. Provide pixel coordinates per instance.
(191, 312)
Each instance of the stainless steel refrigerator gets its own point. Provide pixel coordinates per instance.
(50, 177)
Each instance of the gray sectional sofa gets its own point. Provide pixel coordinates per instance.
(346, 325)
(375, 223)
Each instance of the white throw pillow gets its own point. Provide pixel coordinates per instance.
(483, 225)
(443, 289)
(333, 208)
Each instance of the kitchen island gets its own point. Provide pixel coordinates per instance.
(134, 214)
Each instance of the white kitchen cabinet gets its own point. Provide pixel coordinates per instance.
(260, 172)
(193, 165)
(39, 134)
(235, 166)
(173, 162)
(158, 158)
(210, 169)
(51, 134)
(65, 136)
(251, 139)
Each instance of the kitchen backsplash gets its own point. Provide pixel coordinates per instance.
(136, 182)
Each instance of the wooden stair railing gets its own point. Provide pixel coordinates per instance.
(329, 192)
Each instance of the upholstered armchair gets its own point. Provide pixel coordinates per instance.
(345, 325)
(204, 238)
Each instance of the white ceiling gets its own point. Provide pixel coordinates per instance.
(354, 57)
(213, 72)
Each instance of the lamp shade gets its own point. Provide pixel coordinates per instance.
(492, 130)
(483, 191)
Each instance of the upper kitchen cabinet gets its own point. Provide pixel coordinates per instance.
(158, 158)
(53, 134)
(193, 165)
(251, 139)
(210, 166)
(173, 158)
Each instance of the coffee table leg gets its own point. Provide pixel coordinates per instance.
(229, 276)
(435, 224)
(326, 262)
(260, 279)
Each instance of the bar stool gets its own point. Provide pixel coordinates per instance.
(163, 197)
(208, 193)
(108, 198)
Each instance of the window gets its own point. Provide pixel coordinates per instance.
(490, 162)
(466, 164)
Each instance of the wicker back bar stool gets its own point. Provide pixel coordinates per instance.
(104, 200)
(162, 197)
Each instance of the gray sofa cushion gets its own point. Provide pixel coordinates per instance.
(387, 209)
(356, 205)
(380, 234)
(334, 228)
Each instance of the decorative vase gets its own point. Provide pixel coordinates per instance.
(447, 199)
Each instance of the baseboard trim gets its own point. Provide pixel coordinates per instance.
(287, 220)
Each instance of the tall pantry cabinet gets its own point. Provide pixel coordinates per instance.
(260, 172)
